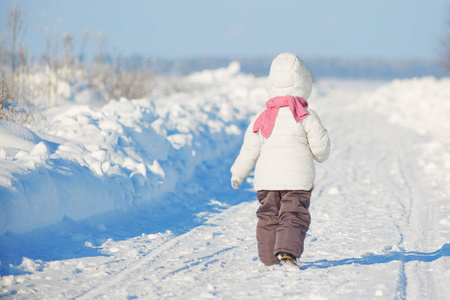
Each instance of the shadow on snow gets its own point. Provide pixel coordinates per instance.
(371, 259)
(177, 212)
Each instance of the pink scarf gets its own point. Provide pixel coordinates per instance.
(266, 119)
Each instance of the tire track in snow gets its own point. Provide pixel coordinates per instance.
(404, 196)
(419, 230)
(120, 277)
(207, 260)
(180, 257)
(390, 171)
(406, 183)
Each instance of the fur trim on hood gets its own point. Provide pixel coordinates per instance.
(289, 76)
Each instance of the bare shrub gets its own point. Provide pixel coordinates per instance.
(14, 24)
(15, 112)
(120, 79)
(14, 86)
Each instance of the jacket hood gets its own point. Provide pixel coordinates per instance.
(289, 76)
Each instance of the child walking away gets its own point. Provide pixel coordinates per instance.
(283, 141)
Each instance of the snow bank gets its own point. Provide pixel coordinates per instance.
(421, 104)
(89, 160)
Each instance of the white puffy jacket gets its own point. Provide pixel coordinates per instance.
(285, 160)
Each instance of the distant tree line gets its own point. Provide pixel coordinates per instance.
(445, 43)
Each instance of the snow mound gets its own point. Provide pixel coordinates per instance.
(423, 105)
(92, 159)
(17, 137)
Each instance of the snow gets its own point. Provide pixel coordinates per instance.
(132, 199)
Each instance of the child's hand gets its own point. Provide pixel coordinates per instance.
(236, 182)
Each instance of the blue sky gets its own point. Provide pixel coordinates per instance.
(178, 29)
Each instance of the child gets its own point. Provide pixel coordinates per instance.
(283, 141)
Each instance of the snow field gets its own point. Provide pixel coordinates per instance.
(380, 222)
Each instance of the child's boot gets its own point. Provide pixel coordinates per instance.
(288, 261)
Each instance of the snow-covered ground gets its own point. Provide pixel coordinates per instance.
(132, 199)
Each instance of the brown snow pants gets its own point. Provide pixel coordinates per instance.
(283, 220)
